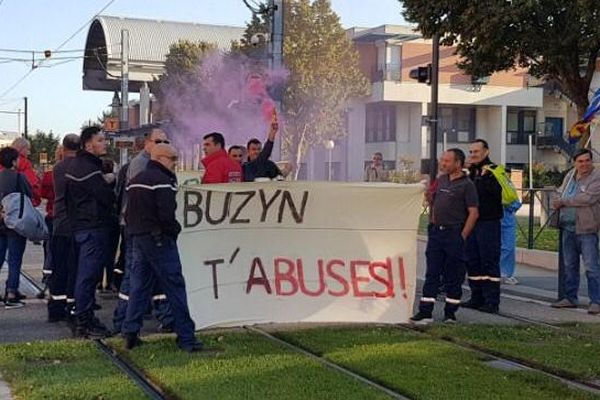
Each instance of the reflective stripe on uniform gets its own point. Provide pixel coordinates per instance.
(148, 187)
(123, 296)
(484, 278)
(118, 271)
(159, 297)
(428, 299)
(47, 271)
(452, 301)
(70, 300)
(59, 297)
(73, 178)
(476, 278)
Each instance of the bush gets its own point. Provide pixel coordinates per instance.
(543, 177)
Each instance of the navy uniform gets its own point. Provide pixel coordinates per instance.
(445, 246)
(153, 229)
(91, 210)
(158, 298)
(62, 281)
(483, 246)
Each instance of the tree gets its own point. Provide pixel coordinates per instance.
(181, 63)
(554, 39)
(324, 75)
(43, 142)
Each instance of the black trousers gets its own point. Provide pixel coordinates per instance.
(483, 263)
(64, 272)
(445, 255)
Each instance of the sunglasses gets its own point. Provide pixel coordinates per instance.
(158, 141)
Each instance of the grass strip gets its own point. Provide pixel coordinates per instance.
(586, 328)
(246, 367)
(70, 370)
(424, 368)
(547, 239)
(556, 350)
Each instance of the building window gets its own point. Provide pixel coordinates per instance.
(457, 123)
(519, 125)
(380, 124)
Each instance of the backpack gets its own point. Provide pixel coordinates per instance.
(19, 213)
(22, 217)
(509, 193)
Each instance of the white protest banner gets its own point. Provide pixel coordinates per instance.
(299, 252)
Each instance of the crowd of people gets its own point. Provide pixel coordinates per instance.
(116, 230)
(120, 230)
(469, 234)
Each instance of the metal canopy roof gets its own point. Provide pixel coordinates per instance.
(149, 42)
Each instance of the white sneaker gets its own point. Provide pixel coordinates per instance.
(511, 280)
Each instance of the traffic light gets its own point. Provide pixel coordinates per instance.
(422, 74)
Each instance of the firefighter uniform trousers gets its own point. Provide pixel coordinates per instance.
(62, 281)
(483, 263)
(445, 257)
(158, 260)
(159, 301)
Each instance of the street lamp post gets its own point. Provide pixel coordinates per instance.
(330, 145)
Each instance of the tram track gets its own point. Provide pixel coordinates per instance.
(515, 362)
(133, 373)
(327, 363)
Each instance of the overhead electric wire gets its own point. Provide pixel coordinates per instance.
(43, 51)
(60, 46)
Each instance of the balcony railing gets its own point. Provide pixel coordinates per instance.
(557, 144)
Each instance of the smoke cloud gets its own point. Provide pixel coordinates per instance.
(227, 94)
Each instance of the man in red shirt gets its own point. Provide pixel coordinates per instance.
(219, 168)
(25, 167)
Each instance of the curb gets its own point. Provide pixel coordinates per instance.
(547, 260)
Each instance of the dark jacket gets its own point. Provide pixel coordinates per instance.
(60, 224)
(489, 192)
(89, 198)
(262, 167)
(151, 202)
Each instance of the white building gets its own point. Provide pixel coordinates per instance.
(505, 110)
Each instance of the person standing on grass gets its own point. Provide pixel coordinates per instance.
(153, 229)
(91, 209)
(453, 215)
(579, 207)
(12, 181)
(158, 300)
(483, 247)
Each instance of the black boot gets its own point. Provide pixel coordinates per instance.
(132, 340)
(90, 327)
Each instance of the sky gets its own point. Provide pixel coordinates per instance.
(56, 99)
